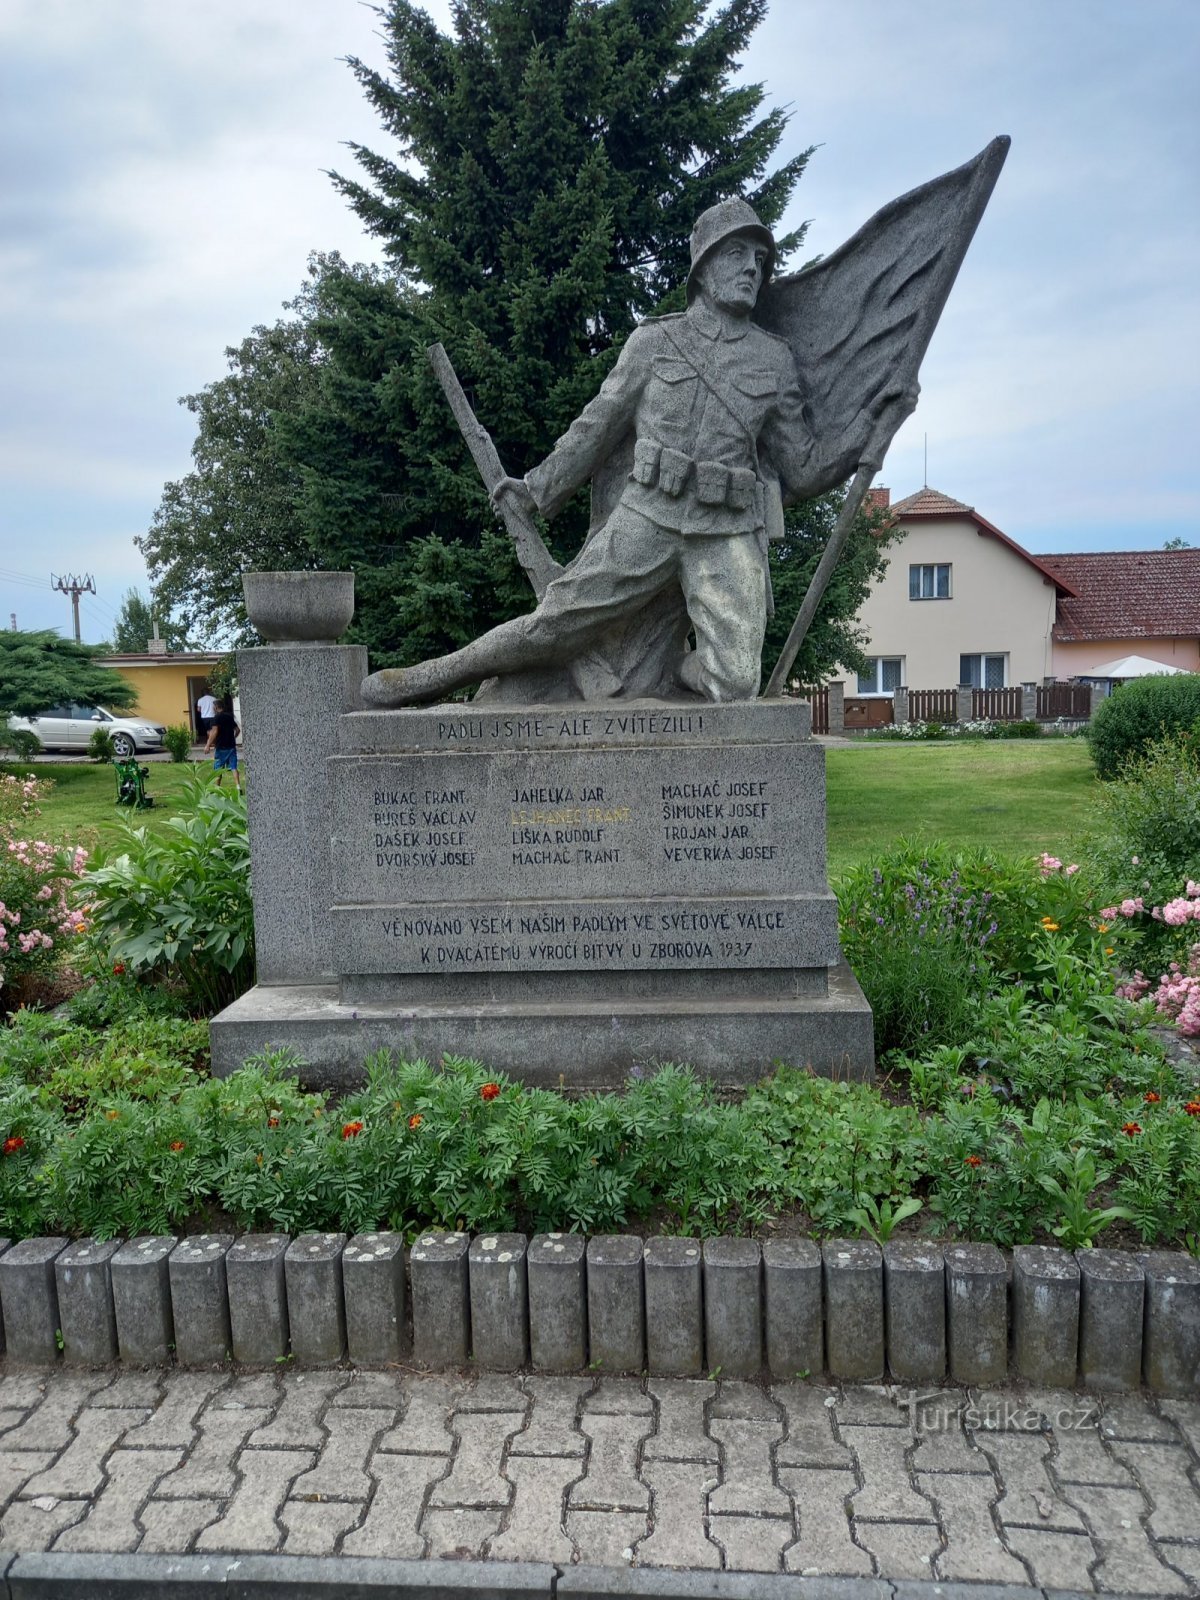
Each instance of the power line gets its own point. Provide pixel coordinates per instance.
(74, 586)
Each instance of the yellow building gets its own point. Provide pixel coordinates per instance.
(168, 684)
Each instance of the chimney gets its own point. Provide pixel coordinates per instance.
(156, 646)
(878, 499)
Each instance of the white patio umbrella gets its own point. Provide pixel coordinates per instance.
(1130, 667)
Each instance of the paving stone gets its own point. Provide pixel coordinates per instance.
(131, 1391)
(475, 1478)
(83, 1280)
(459, 1534)
(1162, 1473)
(171, 1525)
(552, 1429)
(1171, 1343)
(612, 1480)
(21, 1390)
(340, 1472)
(373, 1284)
(1133, 1416)
(492, 1391)
(948, 1450)
(111, 1523)
(854, 1347)
(1112, 1289)
(296, 1424)
(250, 1520)
(314, 1529)
(678, 1492)
(141, 1287)
(371, 1391)
(616, 1303)
(606, 1538)
(29, 1301)
(881, 1454)
(673, 1281)
(1184, 1557)
(499, 1283)
(1081, 1457)
(914, 1277)
(809, 1441)
(558, 1334)
(316, 1304)
(751, 1544)
(900, 1549)
(48, 1425)
(27, 1526)
(794, 1325)
(16, 1471)
(974, 1552)
(745, 1400)
(1045, 1314)
(680, 1432)
(79, 1469)
(976, 1313)
(174, 1423)
(1025, 1409)
(441, 1303)
(390, 1525)
(1028, 1497)
(872, 1405)
(200, 1299)
(10, 1420)
(824, 1543)
(619, 1397)
(1057, 1559)
(534, 1530)
(258, 1313)
(252, 1389)
(424, 1429)
(747, 1485)
(733, 1306)
(209, 1472)
(1128, 1564)
(1182, 1414)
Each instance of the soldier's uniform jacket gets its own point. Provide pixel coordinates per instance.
(717, 412)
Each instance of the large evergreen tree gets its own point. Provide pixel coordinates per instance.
(41, 669)
(546, 162)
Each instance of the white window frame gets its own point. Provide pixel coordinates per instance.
(981, 658)
(932, 569)
(878, 663)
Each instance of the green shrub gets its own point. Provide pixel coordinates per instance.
(175, 905)
(1140, 714)
(178, 741)
(101, 746)
(1018, 730)
(19, 742)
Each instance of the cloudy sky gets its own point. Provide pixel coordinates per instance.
(162, 182)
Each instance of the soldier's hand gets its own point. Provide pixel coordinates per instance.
(519, 489)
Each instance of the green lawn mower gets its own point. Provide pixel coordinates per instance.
(131, 785)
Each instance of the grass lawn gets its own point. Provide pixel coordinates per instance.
(82, 808)
(1021, 796)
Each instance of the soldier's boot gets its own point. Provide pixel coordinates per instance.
(504, 649)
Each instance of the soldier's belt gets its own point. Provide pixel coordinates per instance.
(658, 466)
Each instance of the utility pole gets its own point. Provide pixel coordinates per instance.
(74, 586)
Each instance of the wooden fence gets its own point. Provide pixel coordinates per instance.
(932, 705)
(998, 705)
(1072, 700)
(818, 699)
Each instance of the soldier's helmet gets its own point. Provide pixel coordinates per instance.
(720, 222)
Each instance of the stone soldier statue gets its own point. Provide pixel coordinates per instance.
(711, 426)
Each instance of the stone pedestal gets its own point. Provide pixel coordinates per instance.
(564, 893)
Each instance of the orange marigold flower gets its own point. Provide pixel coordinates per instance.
(118, 968)
(272, 1122)
(1103, 927)
(13, 1143)
(489, 1091)
(973, 1161)
(1193, 1108)
(351, 1130)
(1151, 1098)
(415, 1120)
(178, 1144)
(1050, 925)
(1131, 1128)
(112, 1115)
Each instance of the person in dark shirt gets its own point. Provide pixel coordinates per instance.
(222, 741)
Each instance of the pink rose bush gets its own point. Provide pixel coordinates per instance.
(1178, 994)
(37, 880)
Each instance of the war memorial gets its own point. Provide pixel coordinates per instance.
(613, 853)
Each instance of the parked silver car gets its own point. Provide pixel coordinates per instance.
(70, 727)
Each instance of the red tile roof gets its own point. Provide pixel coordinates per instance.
(929, 502)
(1128, 594)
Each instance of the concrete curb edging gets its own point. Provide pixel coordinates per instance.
(145, 1577)
(677, 1306)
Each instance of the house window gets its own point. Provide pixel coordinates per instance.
(983, 672)
(930, 581)
(884, 674)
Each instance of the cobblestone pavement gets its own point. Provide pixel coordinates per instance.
(1012, 1487)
